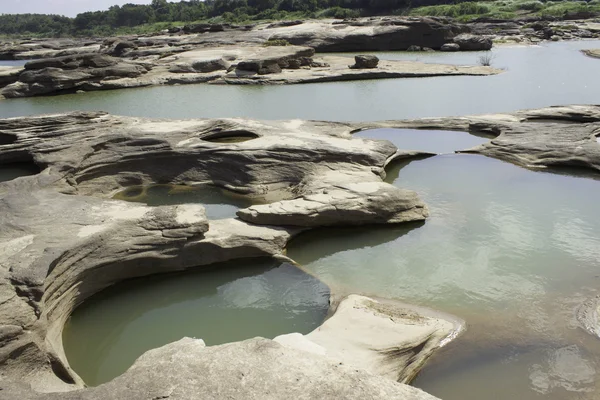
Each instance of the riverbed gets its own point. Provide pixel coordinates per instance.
(510, 250)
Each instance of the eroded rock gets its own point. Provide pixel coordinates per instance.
(365, 61)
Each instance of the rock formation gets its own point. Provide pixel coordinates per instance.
(258, 65)
(64, 240)
(365, 61)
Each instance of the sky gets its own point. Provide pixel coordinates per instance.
(69, 8)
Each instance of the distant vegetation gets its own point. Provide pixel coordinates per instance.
(508, 9)
(160, 14)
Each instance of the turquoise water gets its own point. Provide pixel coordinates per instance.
(551, 74)
(232, 302)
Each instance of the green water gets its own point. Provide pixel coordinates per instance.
(233, 302)
(511, 251)
(218, 203)
(551, 74)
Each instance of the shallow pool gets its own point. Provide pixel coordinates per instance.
(231, 302)
(218, 203)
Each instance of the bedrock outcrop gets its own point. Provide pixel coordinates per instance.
(360, 34)
(240, 65)
(63, 238)
(253, 369)
(552, 137)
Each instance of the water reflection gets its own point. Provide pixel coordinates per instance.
(536, 76)
(425, 140)
(232, 302)
(503, 243)
(219, 203)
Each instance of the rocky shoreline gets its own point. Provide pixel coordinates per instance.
(261, 54)
(64, 239)
(275, 53)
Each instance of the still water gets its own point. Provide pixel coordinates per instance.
(538, 76)
(232, 302)
(218, 203)
(512, 251)
(439, 142)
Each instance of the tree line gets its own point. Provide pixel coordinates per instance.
(161, 11)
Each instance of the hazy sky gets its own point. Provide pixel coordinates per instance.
(64, 7)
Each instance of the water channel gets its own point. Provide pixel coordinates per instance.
(538, 76)
(511, 251)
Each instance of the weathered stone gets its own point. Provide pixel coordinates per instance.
(256, 369)
(69, 74)
(65, 241)
(450, 47)
(414, 48)
(469, 42)
(365, 61)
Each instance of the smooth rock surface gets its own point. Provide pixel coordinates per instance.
(64, 240)
(254, 369)
(387, 338)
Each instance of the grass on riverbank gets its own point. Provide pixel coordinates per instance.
(508, 9)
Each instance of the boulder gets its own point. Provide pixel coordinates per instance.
(450, 47)
(468, 42)
(365, 61)
(414, 48)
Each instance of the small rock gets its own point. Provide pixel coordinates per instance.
(365, 61)
(450, 47)
(414, 48)
(555, 38)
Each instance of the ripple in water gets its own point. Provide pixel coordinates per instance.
(505, 248)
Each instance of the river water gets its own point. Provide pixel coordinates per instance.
(511, 251)
(550, 74)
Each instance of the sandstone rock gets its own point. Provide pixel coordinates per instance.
(365, 61)
(401, 337)
(561, 136)
(117, 47)
(450, 47)
(69, 74)
(255, 369)
(349, 204)
(9, 75)
(469, 42)
(375, 34)
(65, 241)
